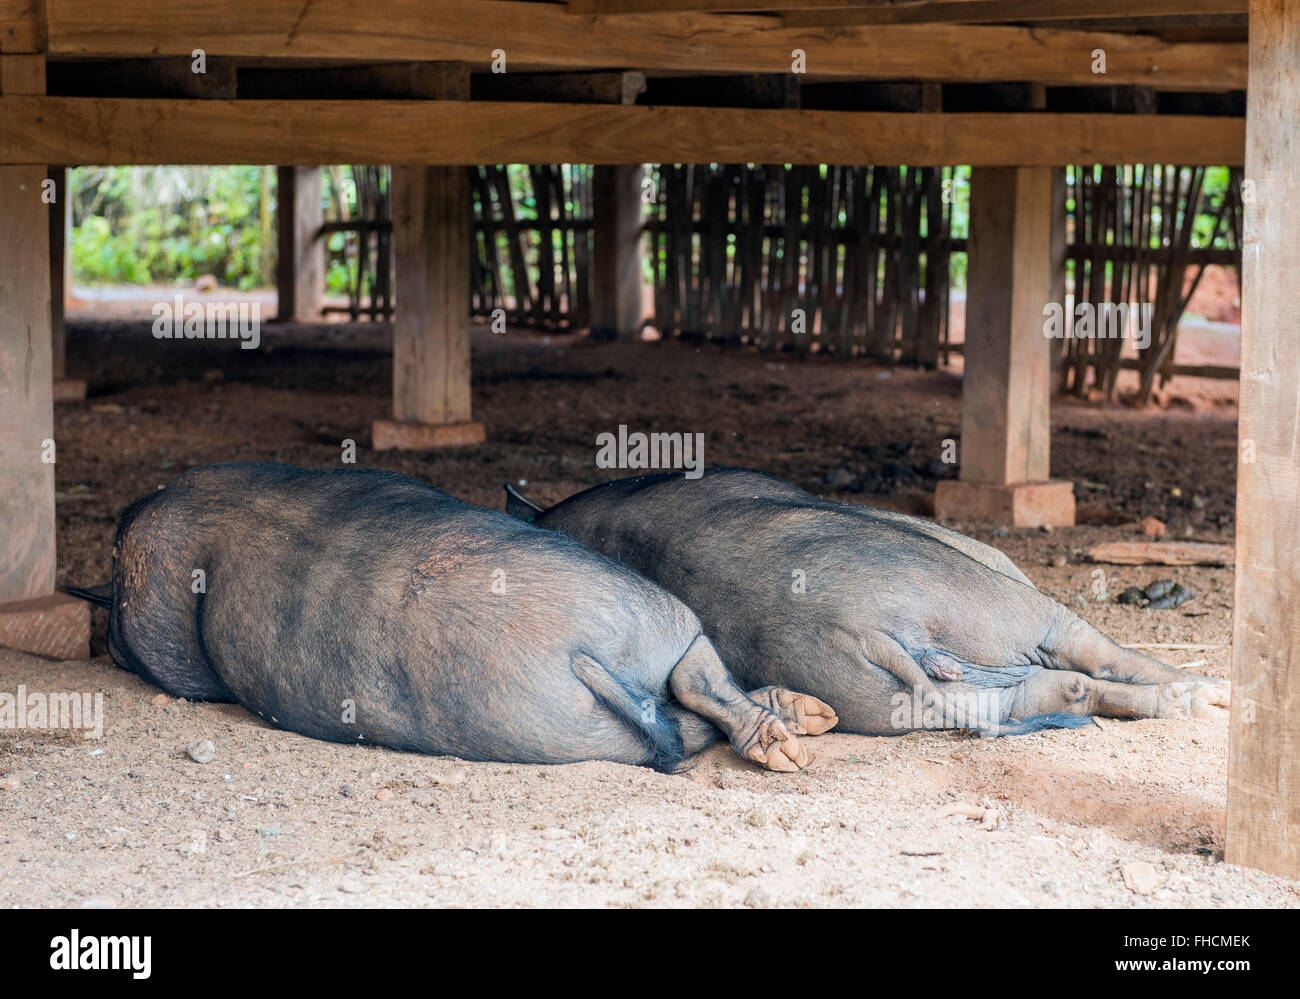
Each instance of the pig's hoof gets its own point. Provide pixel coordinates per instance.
(773, 746)
(1202, 697)
(803, 714)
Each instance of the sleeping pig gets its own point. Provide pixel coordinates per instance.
(365, 606)
(896, 622)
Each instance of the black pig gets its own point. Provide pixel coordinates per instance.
(897, 622)
(359, 605)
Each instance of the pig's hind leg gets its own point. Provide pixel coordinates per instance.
(1055, 691)
(803, 714)
(1074, 644)
(702, 684)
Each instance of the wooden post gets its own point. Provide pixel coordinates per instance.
(1264, 742)
(431, 250)
(32, 616)
(60, 215)
(617, 272)
(300, 265)
(1006, 389)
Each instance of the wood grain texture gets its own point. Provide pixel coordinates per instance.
(538, 36)
(26, 402)
(300, 260)
(617, 270)
(1264, 743)
(1006, 427)
(40, 130)
(431, 217)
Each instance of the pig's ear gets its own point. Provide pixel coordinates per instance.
(519, 505)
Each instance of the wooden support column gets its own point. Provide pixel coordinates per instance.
(431, 248)
(1006, 390)
(1264, 742)
(60, 216)
(32, 616)
(300, 264)
(617, 276)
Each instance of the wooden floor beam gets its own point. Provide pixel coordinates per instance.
(1264, 741)
(40, 130)
(543, 36)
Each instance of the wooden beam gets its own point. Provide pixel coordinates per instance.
(541, 36)
(995, 11)
(40, 130)
(1017, 10)
(300, 261)
(1264, 739)
(22, 26)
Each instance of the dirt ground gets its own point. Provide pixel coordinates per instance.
(281, 820)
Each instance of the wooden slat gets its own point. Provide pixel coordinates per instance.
(1264, 740)
(994, 11)
(537, 35)
(300, 260)
(1028, 9)
(40, 130)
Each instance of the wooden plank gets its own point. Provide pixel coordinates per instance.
(1028, 9)
(431, 354)
(1006, 427)
(40, 130)
(26, 400)
(616, 279)
(300, 263)
(993, 11)
(1161, 553)
(22, 26)
(1264, 740)
(539, 36)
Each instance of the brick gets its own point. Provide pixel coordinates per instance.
(57, 626)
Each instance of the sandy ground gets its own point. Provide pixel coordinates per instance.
(276, 819)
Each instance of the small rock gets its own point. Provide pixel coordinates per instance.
(160, 699)
(839, 478)
(1140, 877)
(383, 794)
(1047, 528)
(1153, 528)
(446, 780)
(202, 751)
(758, 898)
(1060, 560)
(9, 783)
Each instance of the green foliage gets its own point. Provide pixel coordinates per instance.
(165, 225)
